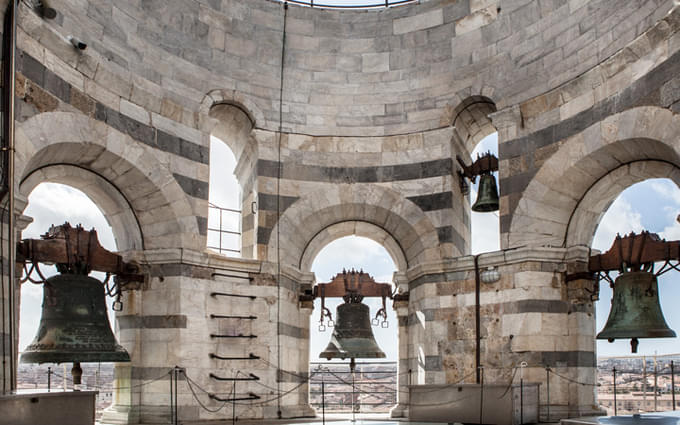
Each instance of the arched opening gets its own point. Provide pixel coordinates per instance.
(375, 379)
(224, 198)
(475, 133)
(53, 204)
(232, 195)
(653, 205)
(484, 226)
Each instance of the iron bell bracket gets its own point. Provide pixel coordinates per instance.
(629, 254)
(352, 282)
(635, 252)
(77, 251)
(484, 164)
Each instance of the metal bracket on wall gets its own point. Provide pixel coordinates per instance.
(251, 356)
(250, 377)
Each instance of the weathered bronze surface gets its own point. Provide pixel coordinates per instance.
(74, 326)
(352, 335)
(487, 194)
(635, 312)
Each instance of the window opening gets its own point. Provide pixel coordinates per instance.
(484, 227)
(224, 198)
(375, 379)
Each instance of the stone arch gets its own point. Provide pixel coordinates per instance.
(115, 207)
(348, 228)
(235, 98)
(130, 174)
(471, 120)
(564, 201)
(398, 217)
(233, 127)
(586, 217)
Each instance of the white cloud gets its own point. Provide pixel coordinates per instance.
(352, 252)
(485, 232)
(620, 218)
(53, 204)
(666, 189)
(671, 233)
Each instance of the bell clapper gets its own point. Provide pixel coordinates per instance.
(634, 345)
(77, 374)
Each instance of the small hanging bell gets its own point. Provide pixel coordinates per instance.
(487, 194)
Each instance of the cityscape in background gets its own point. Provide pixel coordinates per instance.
(643, 384)
(57, 377)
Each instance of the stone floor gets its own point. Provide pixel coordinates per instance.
(659, 418)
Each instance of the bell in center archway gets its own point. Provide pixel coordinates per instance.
(635, 312)
(352, 336)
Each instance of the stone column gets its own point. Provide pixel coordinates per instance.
(403, 375)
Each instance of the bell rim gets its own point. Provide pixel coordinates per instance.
(75, 356)
(656, 333)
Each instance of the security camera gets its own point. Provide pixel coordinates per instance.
(76, 43)
(44, 10)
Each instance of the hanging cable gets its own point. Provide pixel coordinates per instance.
(278, 213)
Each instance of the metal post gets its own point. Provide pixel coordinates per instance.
(521, 391)
(656, 388)
(481, 394)
(614, 372)
(177, 371)
(323, 401)
(521, 401)
(547, 390)
(233, 405)
(644, 383)
(673, 384)
(353, 411)
(172, 399)
(49, 378)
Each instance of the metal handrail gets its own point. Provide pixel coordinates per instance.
(374, 5)
(221, 230)
(338, 386)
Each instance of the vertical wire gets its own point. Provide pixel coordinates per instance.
(278, 217)
(11, 251)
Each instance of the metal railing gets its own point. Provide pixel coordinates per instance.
(221, 231)
(636, 384)
(372, 388)
(338, 4)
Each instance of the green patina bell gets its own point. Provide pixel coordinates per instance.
(636, 312)
(74, 326)
(487, 194)
(352, 335)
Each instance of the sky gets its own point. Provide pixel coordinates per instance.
(652, 205)
(53, 204)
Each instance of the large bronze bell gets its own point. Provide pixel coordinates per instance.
(487, 194)
(74, 326)
(352, 335)
(636, 312)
